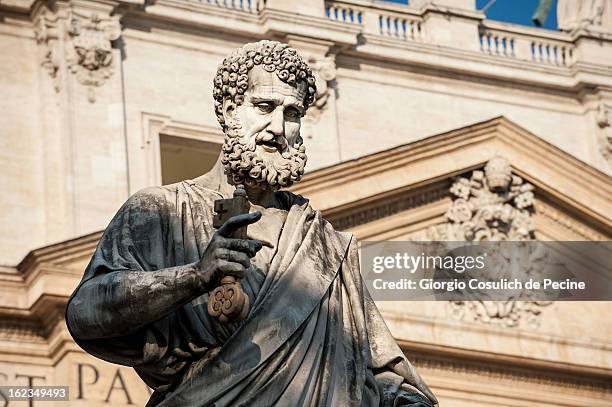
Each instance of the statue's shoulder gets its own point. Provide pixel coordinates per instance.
(158, 198)
(166, 199)
(153, 195)
(289, 199)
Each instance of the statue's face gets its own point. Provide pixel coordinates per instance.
(271, 112)
(263, 145)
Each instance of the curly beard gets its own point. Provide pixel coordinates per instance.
(244, 165)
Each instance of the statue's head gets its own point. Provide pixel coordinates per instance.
(498, 173)
(261, 93)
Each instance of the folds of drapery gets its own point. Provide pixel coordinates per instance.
(313, 335)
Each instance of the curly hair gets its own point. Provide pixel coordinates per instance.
(232, 80)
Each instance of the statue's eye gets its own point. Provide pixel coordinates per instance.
(265, 107)
(292, 113)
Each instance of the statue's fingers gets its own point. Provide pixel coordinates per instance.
(230, 268)
(239, 257)
(236, 222)
(248, 246)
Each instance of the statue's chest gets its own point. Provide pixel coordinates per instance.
(268, 229)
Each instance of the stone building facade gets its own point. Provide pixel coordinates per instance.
(101, 98)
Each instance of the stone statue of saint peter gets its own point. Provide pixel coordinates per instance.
(312, 336)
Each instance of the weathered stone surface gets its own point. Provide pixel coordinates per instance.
(304, 332)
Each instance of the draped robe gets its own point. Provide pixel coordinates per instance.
(572, 14)
(313, 336)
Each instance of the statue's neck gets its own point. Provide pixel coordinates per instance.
(265, 198)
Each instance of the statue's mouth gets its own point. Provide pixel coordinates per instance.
(271, 146)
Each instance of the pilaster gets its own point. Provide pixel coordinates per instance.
(82, 111)
(599, 114)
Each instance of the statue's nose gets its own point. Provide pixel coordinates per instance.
(277, 123)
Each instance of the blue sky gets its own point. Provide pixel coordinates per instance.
(514, 11)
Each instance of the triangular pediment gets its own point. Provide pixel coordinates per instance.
(398, 191)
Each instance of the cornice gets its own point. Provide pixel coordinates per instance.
(564, 219)
(592, 33)
(415, 208)
(18, 6)
(268, 23)
(209, 20)
(36, 324)
(38, 288)
(58, 254)
(351, 38)
(502, 366)
(17, 330)
(283, 23)
(454, 61)
(382, 161)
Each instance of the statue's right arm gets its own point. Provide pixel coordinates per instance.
(121, 302)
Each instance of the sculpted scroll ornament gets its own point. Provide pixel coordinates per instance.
(45, 30)
(491, 205)
(604, 121)
(90, 55)
(324, 70)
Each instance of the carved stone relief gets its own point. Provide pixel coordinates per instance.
(604, 121)
(324, 70)
(524, 314)
(90, 55)
(86, 44)
(45, 30)
(491, 205)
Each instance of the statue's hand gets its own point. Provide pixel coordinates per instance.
(225, 255)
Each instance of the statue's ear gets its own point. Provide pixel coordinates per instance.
(229, 109)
